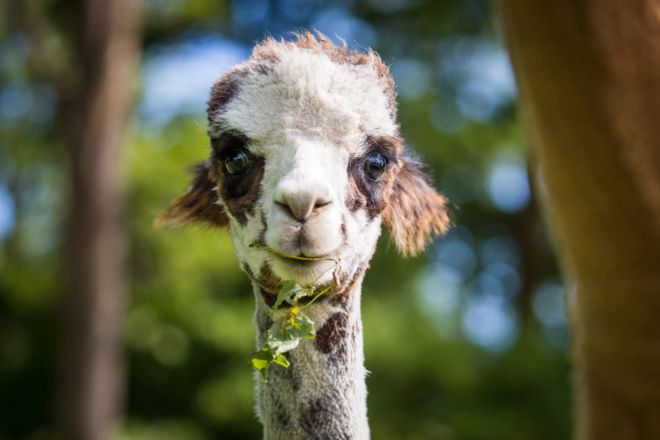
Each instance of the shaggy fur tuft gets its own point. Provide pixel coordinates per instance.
(416, 212)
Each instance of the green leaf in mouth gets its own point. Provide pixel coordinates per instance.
(293, 326)
(288, 291)
(289, 329)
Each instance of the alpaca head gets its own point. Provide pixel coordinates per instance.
(307, 160)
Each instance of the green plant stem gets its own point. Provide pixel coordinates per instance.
(317, 296)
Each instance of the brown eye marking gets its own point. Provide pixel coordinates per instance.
(391, 144)
(240, 173)
(227, 141)
(371, 175)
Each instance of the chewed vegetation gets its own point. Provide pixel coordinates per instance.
(293, 326)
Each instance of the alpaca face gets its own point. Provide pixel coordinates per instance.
(302, 126)
(307, 160)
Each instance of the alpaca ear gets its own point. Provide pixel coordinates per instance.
(198, 204)
(415, 212)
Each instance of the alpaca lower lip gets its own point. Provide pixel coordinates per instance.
(303, 271)
(290, 256)
(301, 258)
(301, 262)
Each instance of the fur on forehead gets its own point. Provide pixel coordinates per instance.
(309, 87)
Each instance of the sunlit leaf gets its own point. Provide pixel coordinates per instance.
(281, 360)
(289, 290)
(288, 330)
(262, 360)
(281, 343)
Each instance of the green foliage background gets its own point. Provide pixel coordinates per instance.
(188, 329)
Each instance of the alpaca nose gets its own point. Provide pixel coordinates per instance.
(300, 203)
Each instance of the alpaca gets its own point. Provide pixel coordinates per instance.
(307, 160)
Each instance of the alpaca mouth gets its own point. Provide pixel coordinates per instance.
(303, 259)
(301, 263)
(306, 273)
(303, 268)
(300, 259)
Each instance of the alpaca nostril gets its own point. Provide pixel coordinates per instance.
(287, 209)
(322, 203)
(301, 208)
(295, 209)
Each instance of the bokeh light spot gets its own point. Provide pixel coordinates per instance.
(489, 323)
(7, 207)
(412, 78)
(508, 185)
(479, 72)
(548, 304)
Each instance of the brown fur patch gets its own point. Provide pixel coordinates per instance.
(321, 419)
(339, 357)
(223, 91)
(228, 86)
(356, 199)
(415, 211)
(333, 332)
(270, 282)
(247, 270)
(267, 277)
(198, 204)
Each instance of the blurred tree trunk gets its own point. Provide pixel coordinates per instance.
(527, 232)
(90, 376)
(589, 79)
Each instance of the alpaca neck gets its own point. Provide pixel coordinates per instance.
(322, 395)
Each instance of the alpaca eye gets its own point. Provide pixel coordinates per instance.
(237, 162)
(374, 165)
